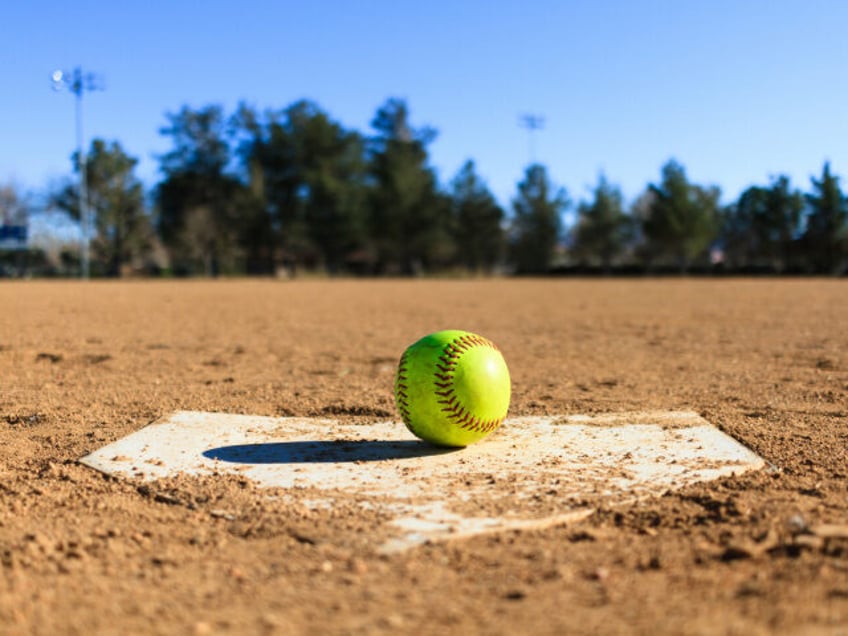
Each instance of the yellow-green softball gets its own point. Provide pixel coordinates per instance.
(452, 388)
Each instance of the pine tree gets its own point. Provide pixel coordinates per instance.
(198, 199)
(682, 218)
(826, 236)
(537, 221)
(123, 230)
(603, 229)
(477, 221)
(410, 221)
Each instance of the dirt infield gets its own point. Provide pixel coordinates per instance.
(84, 364)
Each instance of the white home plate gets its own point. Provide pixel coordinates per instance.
(532, 473)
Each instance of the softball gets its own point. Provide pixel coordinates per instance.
(452, 388)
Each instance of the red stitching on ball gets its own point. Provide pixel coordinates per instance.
(446, 365)
(452, 405)
(400, 390)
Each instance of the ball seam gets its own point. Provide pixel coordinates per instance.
(443, 380)
(401, 388)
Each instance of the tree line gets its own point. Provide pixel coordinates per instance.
(289, 190)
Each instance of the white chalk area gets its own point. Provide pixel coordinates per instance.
(534, 471)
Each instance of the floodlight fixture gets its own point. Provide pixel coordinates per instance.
(532, 123)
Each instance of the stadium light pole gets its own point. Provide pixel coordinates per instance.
(77, 83)
(532, 123)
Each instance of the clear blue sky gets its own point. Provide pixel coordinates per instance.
(735, 90)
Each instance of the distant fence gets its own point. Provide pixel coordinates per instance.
(13, 237)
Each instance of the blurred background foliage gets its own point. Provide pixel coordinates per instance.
(283, 192)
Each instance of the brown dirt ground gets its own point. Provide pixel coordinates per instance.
(84, 364)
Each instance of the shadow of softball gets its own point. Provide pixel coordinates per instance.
(335, 451)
